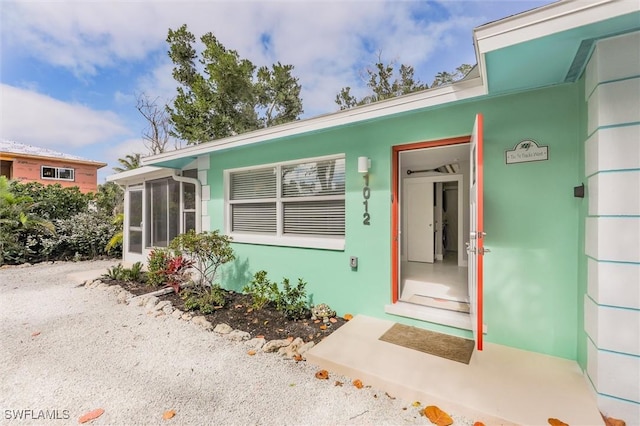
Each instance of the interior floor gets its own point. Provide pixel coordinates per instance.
(442, 284)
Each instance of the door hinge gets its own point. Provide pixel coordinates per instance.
(476, 235)
(483, 250)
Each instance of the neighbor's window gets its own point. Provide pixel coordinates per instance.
(58, 173)
(293, 203)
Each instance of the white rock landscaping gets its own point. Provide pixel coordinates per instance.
(288, 348)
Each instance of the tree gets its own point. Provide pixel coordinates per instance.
(229, 97)
(110, 199)
(444, 77)
(129, 162)
(384, 83)
(157, 134)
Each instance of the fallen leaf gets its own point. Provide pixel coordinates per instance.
(437, 416)
(251, 352)
(348, 317)
(91, 415)
(322, 375)
(238, 306)
(338, 383)
(297, 357)
(323, 327)
(305, 324)
(168, 414)
(260, 336)
(556, 422)
(357, 383)
(416, 404)
(611, 421)
(478, 424)
(333, 320)
(35, 333)
(311, 337)
(266, 322)
(249, 310)
(290, 338)
(316, 321)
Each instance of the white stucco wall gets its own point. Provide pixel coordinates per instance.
(612, 234)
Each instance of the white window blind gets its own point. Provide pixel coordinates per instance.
(304, 198)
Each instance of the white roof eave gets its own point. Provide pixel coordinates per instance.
(465, 89)
(546, 20)
(139, 175)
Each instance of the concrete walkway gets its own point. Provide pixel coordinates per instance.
(501, 385)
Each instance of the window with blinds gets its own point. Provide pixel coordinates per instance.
(305, 198)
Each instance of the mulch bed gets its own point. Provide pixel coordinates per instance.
(238, 314)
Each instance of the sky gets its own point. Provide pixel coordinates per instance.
(70, 71)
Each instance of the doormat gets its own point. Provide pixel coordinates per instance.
(438, 344)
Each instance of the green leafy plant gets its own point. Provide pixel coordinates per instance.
(117, 238)
(206, 302)
(168, 267)
(135, 272)
(262, 290)
(292, 300)
(116, 272)
(176, 272)
(156, 265)
(208, 250)
(120, 273)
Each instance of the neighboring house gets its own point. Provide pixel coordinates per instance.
(373, 206)
(26, 163)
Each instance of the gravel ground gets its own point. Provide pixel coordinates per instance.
(94, 353)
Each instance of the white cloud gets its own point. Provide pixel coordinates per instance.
(326, 41)
(36, 119)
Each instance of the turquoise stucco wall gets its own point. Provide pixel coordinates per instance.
(531, 217)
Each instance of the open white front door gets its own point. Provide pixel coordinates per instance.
(420, 241)
(475, 245)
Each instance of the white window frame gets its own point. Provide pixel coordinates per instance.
(56, 173)
(279, 238)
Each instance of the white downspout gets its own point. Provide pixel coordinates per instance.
(198, 185)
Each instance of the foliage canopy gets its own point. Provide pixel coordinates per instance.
(223, 94)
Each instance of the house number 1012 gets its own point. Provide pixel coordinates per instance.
(366, 194)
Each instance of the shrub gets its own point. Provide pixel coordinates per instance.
(208, 250)
(53, 201)
(167, 268)
(206, 302)
(135, 273)
(120, 273)
(176, 273)
(83, 236)
(156, 265)
(115, 273)
(262, 290)
(292, 301)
